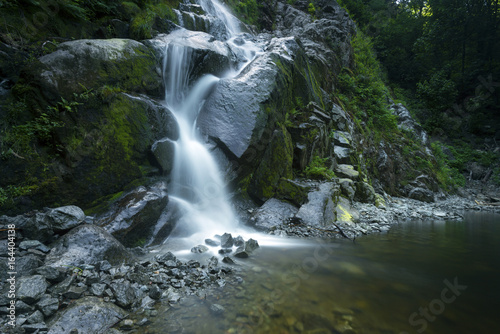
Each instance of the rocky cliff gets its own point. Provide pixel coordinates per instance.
(85, 122)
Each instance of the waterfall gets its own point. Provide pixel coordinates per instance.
(197, 185)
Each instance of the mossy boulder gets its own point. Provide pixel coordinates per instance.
(80, 65)
(243, 112)
(292, 191)
(275, 164)
(345, 214)
(365, 193)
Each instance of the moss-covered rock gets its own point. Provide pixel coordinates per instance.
(78, 66)
(345, 214)
(292, 191)
(276, 163)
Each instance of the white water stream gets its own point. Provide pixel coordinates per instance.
(197, 184)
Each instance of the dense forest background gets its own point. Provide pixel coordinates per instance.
(442, 57)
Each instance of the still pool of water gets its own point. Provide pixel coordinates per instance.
(420, 277)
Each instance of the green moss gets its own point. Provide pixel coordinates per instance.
(317, 169)
(275, 164)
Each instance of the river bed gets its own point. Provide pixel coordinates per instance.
(421, 276)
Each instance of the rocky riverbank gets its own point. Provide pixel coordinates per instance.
(69, 270)
(86, 281)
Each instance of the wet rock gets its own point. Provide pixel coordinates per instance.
(342, 155)
(23, 308)
(217, 309)
(63, 286)
(168, 256)
(199, 249)
(87, 244)
(28, 244)
(126, 324)
(213, 262)
(211, 56)
(225, 251)
(342, 139)
(155, 292)
(365, 193)
(241, 253)
(226, 240)
(251, 245)
(34, 226)
(163, 150)
(406, 122)
(124, 293)
(211, 242)
(345, 213)
(52, 274)
(103, 265)
(134, 217)
(96, 62)
(87, 315)
(272, 214)
(275, 164)
(31, 288)
(35, 328)
(36, 317)
(238, 241)
(65, 218)
(237, 113)
(74, 292)
(227, 260)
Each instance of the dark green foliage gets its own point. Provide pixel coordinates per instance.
(246, 10)
(362, 91)
(442, 52)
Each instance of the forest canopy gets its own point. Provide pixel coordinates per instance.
(443, 55)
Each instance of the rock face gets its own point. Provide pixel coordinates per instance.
(87, 244)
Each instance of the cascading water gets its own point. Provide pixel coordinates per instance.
(196, 185)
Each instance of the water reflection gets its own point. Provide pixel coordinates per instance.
(372, 286)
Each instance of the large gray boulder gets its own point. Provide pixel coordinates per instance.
(65, 218)
(320, 211)
(87, 315)
(87, 244)
(240, 114)
(91, 63)
(272, 214)
(133, 218)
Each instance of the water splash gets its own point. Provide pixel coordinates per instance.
(197, 185)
